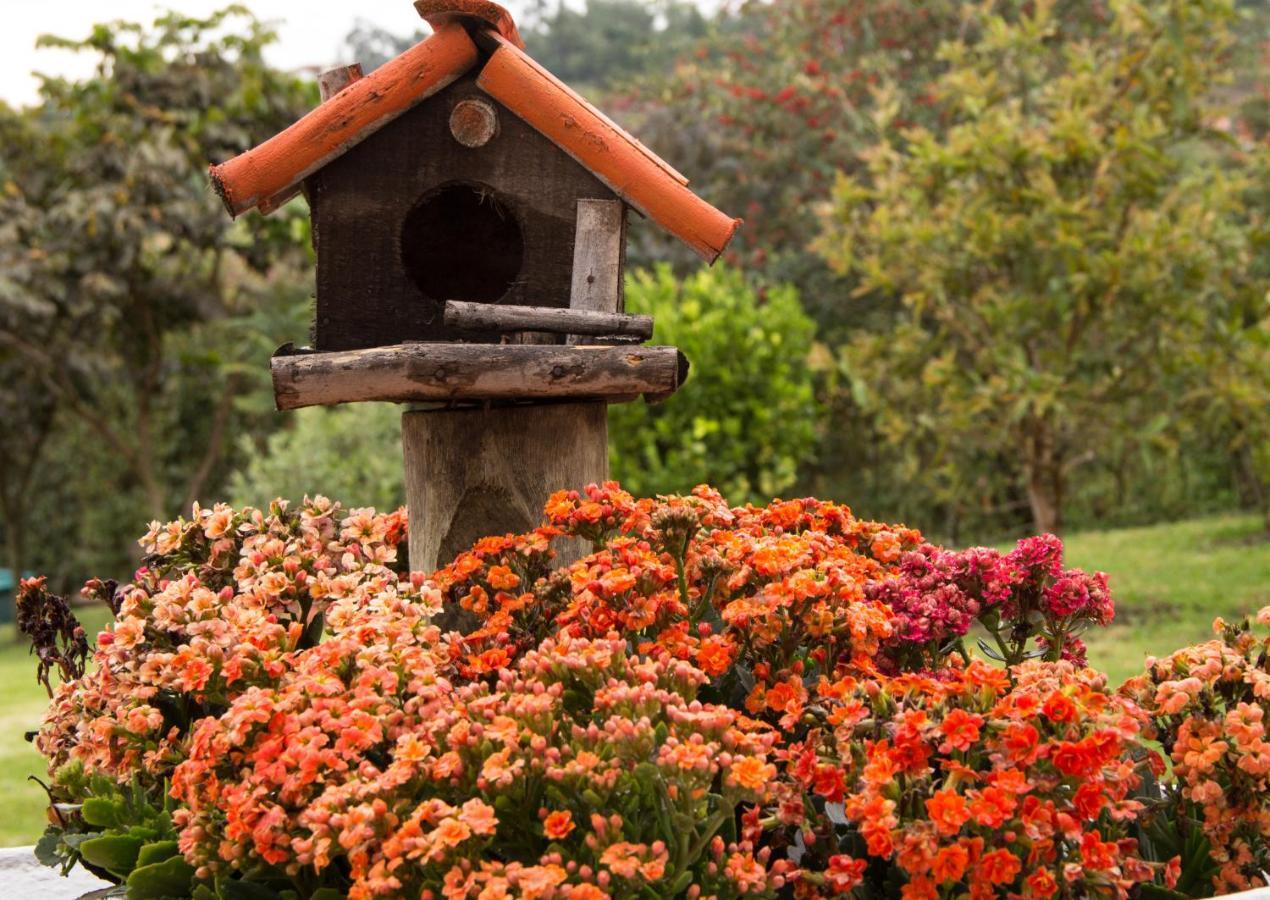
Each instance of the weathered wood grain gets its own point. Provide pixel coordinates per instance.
(362, 201)
(332, 81)
(497, 317)
(598, 242)
(419, 372)
(477, 472)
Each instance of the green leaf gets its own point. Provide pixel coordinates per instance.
(103, 812)
(116, 853)
(155, 852)
(169, 878)
(1158, 892)
(46, 848)
(245, 890)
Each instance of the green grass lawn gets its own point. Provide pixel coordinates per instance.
(1169, 582)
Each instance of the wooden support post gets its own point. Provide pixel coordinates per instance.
(476, 472)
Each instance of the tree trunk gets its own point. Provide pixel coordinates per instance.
(1046, 477)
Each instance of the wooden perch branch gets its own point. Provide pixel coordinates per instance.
(421, 372)
(496, 317)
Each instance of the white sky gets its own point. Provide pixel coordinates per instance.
(310, 33)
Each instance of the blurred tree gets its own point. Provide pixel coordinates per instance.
(121, 273)
(607, 41)
(591, 45)
(765, 111)
(1062, 238)
(745, 421)
(350, 453)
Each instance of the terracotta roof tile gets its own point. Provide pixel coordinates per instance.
(438, 12)
(623, 163)
(266, 174)
(365, 106)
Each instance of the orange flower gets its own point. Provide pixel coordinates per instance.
(751, 773)
(999, 867)
(558, 825)
(1089, 800)
(1041, 883)
(1020, 742)
(714, 656)
(991, 806)
(784, 697)
(947, 809)
(950, 863)
(1058, 707)
(451, 833)
(961, 730)
(502, 578)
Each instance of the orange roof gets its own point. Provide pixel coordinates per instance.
(267, 173)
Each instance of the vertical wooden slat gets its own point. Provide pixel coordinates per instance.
(597, 256)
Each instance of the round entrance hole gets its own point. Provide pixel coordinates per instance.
(461, 243)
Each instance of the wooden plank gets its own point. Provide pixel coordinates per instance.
(497, 317)
(420, 372)
(362, 202)
(332, 81)
(599, 238)
(477, 472)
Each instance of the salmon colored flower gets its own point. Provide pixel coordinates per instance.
(558, 825)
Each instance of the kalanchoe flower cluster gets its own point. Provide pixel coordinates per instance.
(714, 702)
(221, 599)
(600, 767)
(940, 594)
(1210, 708)
(967, 783)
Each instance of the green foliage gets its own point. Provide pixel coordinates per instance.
(350, 451)
(765, 111)
(124, 284)
(606, 41)
(1062, 244)
(119, 832)
(746, 418)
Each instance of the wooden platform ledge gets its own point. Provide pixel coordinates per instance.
(421, 372)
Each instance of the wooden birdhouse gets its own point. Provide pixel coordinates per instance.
(469, 218)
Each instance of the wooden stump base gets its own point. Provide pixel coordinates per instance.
(477, 472)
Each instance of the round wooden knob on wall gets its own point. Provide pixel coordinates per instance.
(473, 122)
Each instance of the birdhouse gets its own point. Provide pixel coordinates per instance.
(469, 220)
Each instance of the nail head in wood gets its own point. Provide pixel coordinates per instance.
(473, 122)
